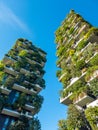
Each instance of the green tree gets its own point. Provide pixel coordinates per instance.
(62, 125)
(92, 116)
(35, 124)
(23, 53)
(1, 66)
(21, 124)
(75, 119)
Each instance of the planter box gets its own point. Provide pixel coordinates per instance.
(83, 99)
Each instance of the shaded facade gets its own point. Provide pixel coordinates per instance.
(21, 80)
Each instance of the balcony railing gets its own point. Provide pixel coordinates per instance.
(30, 108)
(92, 57)
(93, 104)
(83, 99)
(4, 90)
(16, 114)
(23, 89)
(42, 54)
(8, 60)
(61, 77)
(28, 115)
(24, 71)
(10, 70)
(36, 86)
(66, 100)
(94, 75)
(34, 62)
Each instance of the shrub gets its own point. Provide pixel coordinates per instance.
(75, 119)
(71, 52)
(91, 31)
(2, 74)
(94, 87)
(1, 66)
(23, 53)
(80, 64)
(94, 61)
(82, 44)
(58, 73)
(90, 72)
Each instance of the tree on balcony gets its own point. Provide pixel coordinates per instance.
(80, 64)
(35, 124)
(36, 101)
(1, 66)
(19, 64)
(94, 87)
(3, 102)
(75, 119)
(21, 124)
(92, 117)
(2, 74)
(62, 125)
(23, 53)
(20, 103)
(9, 82)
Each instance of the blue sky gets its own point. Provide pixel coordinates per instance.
(37, 21)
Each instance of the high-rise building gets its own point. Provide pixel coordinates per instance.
(21, 80)
(77, 52)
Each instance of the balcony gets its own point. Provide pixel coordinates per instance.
(28, 115)
(85, 47)
(9, 112)
(93, 38)
(36, 86)
(75, 79)
(93, 104)
(42, 54)
(33, 62)
(92, 57)
(30, 108)
(83, 99)
(10, 70)
(8, 60)
(4, 90)
(61, 77)
(66, 100)
(23, 89)
(16, 114)
(24, 71)
(94, 75)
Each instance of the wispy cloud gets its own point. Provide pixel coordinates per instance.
(8, 17)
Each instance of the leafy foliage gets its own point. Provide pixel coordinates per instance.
(92, 116)
(21, 124)
(35, 124)
(1, 66)
(62, 125)
(23, 53)
(75, 119)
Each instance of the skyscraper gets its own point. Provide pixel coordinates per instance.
(21, 80)
(77, 51)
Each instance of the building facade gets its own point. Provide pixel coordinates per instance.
(21, 80)
(77, 52)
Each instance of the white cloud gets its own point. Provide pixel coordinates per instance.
(8, 17)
